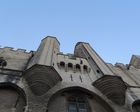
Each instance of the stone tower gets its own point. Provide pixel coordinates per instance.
(47, 80)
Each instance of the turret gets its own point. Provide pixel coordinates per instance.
(106, 79)
(40, 74)
(46, 53)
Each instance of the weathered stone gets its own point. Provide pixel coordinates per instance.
(47, 80)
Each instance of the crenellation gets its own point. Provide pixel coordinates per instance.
(47, 80)
(11, 49)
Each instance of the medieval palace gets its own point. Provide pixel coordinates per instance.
(47, 80)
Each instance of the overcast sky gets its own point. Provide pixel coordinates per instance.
(112, 27)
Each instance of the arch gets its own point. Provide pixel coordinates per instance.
(85, 68)
(70, 66)
(136, 106)
(12, 97)
(3, 62)
(62, 64)
(78, 68)
(78, 91)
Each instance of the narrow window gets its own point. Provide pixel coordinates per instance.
(3, 63)
(78, 68)
(98, 71)
(80, 78)
(71, 77)
(81, 62)
(85, 68)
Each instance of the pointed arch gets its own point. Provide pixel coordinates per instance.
(12, 97)
(62, 99)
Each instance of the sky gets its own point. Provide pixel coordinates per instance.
(111, 27)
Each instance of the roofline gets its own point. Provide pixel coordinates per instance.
(51, 37)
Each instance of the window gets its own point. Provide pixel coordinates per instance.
(2, 62)
(78, 68)
(70, 67)
(77, 104)
(98, 71)
(85, 68)
(62, 64)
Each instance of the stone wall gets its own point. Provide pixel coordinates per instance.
(43, 80)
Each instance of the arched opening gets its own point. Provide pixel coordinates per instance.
(3, 62)
(85, 68)
(12, 98)
(77, 99)
(62, 64)
(136, 106)
(70, 66)
(78, 68)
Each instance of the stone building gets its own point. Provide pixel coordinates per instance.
(47, 80)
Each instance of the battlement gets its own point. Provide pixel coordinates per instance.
(46, 80)
(19, 50)
(16, 58)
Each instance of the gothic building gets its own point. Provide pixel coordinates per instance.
(47, 80)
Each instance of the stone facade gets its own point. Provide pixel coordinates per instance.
(47, 80)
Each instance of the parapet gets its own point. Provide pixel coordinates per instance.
(11, 49)
(16, 59)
